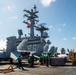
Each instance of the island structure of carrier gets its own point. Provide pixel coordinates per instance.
(34, 44)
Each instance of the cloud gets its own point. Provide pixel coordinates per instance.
(3, 44)
(64, 24)
(58, 27)
(14, 17)
(61, 26)
(47, 3)
(59, 30)
(9, 8)
(51, 26)
(73, 38)
(64, 39)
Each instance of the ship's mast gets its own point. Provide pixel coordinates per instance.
(31, 16)
(42, 29)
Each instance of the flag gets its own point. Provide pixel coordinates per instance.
(28, 24)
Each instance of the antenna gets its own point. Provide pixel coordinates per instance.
(31, 16)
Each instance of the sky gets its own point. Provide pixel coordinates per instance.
(59, 16)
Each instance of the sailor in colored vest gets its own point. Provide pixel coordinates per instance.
(47, 59)
(19, 59)
(31, 60)
(41, 60)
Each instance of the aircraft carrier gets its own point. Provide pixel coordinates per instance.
(33, 44)
(36, 44)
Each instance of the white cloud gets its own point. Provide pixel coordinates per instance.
(74, 38)
(3, 44)
(58, 27)
(64, 24)
(51, 26)
(46, 3)
(9, 8)
(64, 39)
(61, 26)
(13, 17)
(59, 30)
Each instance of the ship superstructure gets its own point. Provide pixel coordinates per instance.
(31, 43)
(34, 43)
